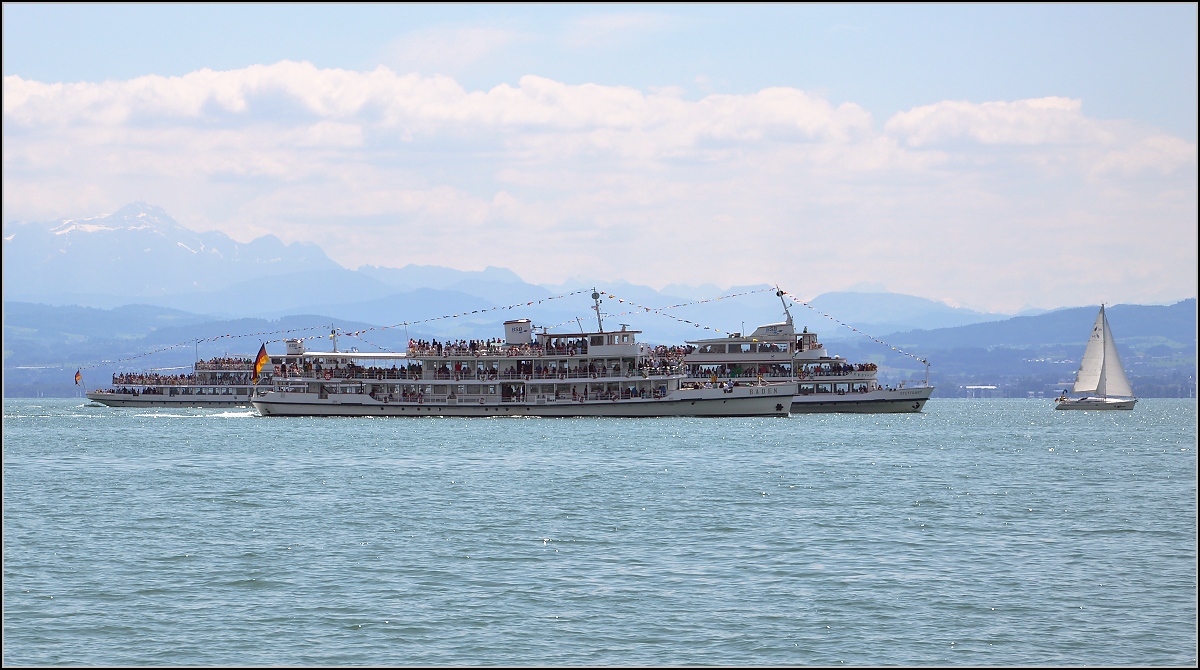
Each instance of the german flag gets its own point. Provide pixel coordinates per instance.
(78, 376)
(259, 361)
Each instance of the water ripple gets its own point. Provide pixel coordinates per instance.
(977, 532)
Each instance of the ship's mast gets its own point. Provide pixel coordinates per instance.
(786, 312)
(596, 297)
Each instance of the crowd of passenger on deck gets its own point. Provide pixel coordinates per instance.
(150, 390)
(122, 381)
(149, 378)
(779, 370)
(834, 369)
(492, 347)
(660, 360)
(517, 370)
(226, 363)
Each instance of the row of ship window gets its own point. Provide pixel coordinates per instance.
(746, 348)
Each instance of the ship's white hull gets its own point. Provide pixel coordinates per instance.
(154, 400)
(1097, 403)
(882, 401)
(743, 401)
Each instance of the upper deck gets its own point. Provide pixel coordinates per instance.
(522, 354)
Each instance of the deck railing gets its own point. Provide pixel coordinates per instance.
(367, 374)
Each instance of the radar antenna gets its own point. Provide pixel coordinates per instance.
(596, 297)
(786, 312)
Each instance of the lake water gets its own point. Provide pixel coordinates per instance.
(997, 532)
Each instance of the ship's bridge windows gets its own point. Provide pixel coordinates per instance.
(741, 348)
(770, 347)
(596, 340)
(711, 349)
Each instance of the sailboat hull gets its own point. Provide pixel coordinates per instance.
(1096, 403)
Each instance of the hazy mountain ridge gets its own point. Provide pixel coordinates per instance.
(137, 280)
(1130, 323)
(44, 343)
(141, 255)
(138, 252)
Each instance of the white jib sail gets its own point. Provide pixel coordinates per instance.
(1113, 380)
(1090, 368)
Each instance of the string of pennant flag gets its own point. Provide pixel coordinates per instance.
(365, 340)
(661, 311)
(637, 309)
(843, 323)
(194, 342)
(289, 331)
(405, 324)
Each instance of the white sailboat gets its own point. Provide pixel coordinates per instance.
(1101, 378)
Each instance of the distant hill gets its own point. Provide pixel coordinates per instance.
(282, 294)
(1039, 355)
(883, 313)
(1173, 324)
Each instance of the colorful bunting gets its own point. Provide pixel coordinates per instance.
(637, 309)
(842, 323)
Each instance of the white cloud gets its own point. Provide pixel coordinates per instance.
(1022, 122)
(992, 201)
(1161, 154)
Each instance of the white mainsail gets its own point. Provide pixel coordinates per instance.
(1100, 371)
(1112, 380)
(1092, 365)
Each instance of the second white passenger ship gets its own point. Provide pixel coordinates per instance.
(776, 352)
(545, 374)
(218, 382)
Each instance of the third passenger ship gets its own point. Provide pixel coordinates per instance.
(776, 352)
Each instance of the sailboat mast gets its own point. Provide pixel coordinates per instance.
(1101, 385)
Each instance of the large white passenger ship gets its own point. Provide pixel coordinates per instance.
(776, 352)
(545, 374)
(218, 382)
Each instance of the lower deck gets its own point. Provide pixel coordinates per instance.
(882, 401)
(214, 397)
(746, 401)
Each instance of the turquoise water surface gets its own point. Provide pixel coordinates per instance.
(996, 532)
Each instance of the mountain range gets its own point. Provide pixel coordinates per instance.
(121, 285)
(140, 255)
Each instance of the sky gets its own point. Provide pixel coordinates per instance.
(992, 156)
